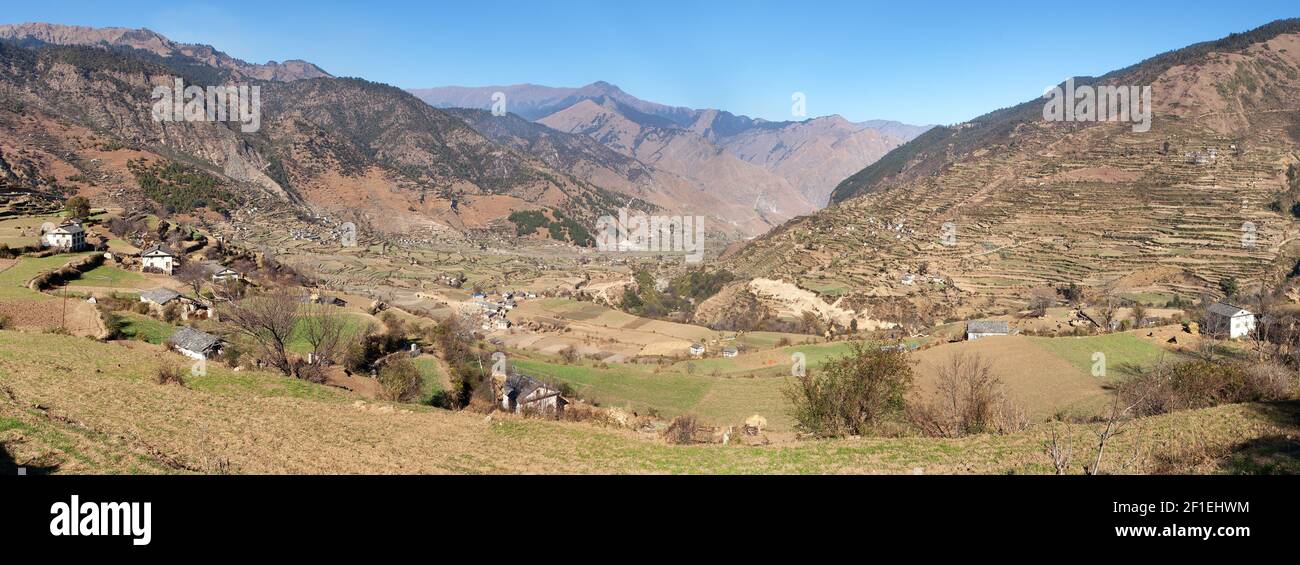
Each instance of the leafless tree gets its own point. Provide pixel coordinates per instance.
(268, 320)
(193, 275)
(1116, 422)
(1060, 449)
(322, 327)
(1106, 313)
(970, 399)
(1038, 306)
(1139, 311)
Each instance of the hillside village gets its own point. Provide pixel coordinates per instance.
(538, 346)
(1009, 310)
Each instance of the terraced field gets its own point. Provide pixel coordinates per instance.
(1008, 202)
(1022, 223)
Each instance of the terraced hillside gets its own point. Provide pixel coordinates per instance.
(1009, 202)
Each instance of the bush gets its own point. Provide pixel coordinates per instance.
(168, 375)
(442, 399)
(400, 380)
(569, 354)
(231, 355)
(1202, 383)
(171, 312)
(681, 430)
(4, 322)
(970, 400)
(854, 395)
(113, 325)
(310, 372)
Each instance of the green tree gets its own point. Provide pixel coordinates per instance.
(400, 380)
(1229, 287)
(78, 207)
(854, 394)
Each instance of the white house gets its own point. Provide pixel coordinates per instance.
(69, 237)
(158, 259)
(697, 349)
(984, 328)
(730, 352)
(195, 344)
(1222, 318)
(221, 273)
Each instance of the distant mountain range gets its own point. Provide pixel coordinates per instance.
(370, 149)
(779, 169)
(36, 34)
(342, 146)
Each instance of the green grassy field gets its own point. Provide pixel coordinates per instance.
(110, 276)
(12, 228)
(1157, 299)
(433, 377)
(353, 324)
(768, 340)
(627, 386)
(136, 326)
(13, 281)
(1122, 351)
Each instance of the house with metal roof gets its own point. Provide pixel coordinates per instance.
(522, 392)
(68, 237)
(1223, 319)
(159, 296)
(195, 344)
(976, 329)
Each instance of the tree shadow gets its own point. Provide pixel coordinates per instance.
(1269, 455)
(1277, 454)
(10, 467)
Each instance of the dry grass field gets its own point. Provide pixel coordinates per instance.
(72, 405)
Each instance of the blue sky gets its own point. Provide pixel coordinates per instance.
(917, 61)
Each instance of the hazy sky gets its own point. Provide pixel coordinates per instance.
(919, 62)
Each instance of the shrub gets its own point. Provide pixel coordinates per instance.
(4, 322)
(442, 399)
(168, 375)
(231, 355)
(1202, 383)
(113, 325)
(681, 430)
(310, 372)
(171, 312)
(970, 400)
(569, 354)
(854, 395)
(400, 380)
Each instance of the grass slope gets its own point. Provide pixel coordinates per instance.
(72, 405)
